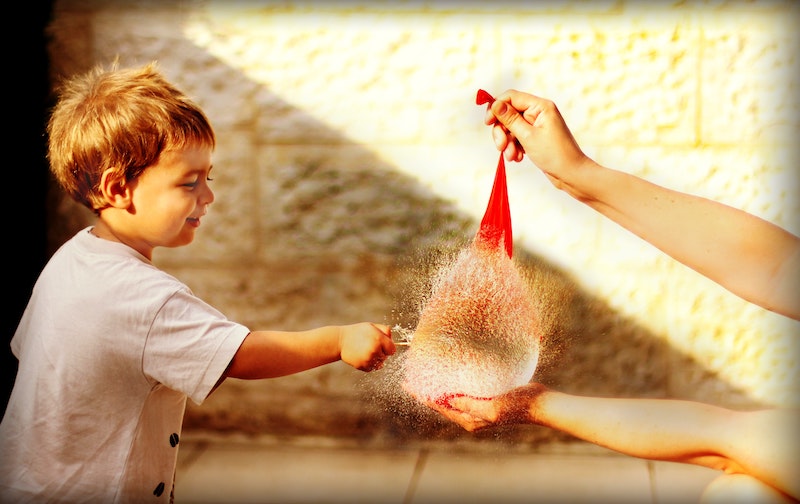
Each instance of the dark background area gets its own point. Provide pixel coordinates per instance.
(24, 201)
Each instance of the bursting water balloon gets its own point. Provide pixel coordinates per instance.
(478, 332)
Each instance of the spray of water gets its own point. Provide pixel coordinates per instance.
(478, 329)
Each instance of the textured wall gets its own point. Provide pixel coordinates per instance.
(351, 155)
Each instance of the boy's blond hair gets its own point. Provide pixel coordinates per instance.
(118, 119)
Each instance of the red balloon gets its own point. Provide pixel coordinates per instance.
(495, 228)
(483, 97)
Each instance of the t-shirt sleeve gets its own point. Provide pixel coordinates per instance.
(190, 344)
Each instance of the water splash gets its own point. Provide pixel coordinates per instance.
(478, 332)
(478, 329)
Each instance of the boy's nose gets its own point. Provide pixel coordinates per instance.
(208, 197)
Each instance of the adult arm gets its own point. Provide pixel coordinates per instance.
(757, 443)
(754, 259)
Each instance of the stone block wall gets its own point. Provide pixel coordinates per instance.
(352, 156)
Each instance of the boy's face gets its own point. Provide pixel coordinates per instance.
(170, 197)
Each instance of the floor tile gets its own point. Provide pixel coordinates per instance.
(239, 471)
(507, 479)
(680, 483)
(276, 474)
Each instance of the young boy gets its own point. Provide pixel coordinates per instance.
(109, 346)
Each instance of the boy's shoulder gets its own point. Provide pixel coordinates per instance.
(104, 263)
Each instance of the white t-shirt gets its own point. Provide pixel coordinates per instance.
(109, 347)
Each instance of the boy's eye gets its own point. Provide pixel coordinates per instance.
(196, 181)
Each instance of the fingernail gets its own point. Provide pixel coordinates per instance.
(500, 108)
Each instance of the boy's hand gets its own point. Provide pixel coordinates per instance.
(366, 345)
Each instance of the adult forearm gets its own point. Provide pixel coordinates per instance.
(646, 428)
(758, 443)
(745, 254)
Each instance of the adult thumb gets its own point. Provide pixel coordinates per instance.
(509, 117)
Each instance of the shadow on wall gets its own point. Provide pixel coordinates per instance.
(347, 236)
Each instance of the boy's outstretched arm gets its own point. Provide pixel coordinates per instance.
(270, 354)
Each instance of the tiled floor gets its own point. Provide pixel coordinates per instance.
(237, 470)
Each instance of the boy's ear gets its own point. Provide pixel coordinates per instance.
(116, 190)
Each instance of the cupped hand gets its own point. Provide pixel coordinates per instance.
(471, 413)
(517, 406)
